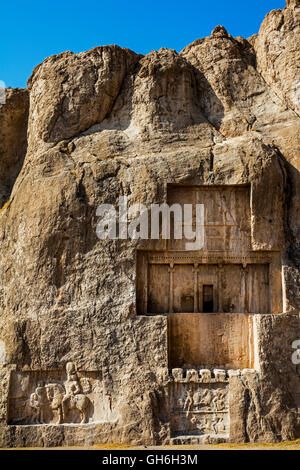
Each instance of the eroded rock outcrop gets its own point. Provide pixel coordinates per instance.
(13, 139)
(71, 92)
(278, 53)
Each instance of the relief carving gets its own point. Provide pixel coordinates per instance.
(44, 396)
(74, 398)
(199, 407)
(69, 397)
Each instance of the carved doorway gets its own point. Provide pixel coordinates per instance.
(208, 298)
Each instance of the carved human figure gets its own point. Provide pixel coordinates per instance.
(39, 401)
(74, 398)
(218, 401)
(207, 425)
(220, 425)
(214, 423)
(72, 384)
(189, 401)
(34, 403)
(197, 398)
(85, 385)
(206, 399)
(54, 397)
(200, 423)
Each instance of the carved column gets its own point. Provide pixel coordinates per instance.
(171, 270)
(220, 273)
(196, 293)
(145, 290)
(275, 282)
(244, 287)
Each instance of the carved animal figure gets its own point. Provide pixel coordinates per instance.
(60, 399)
(79, 402)
(55, 394)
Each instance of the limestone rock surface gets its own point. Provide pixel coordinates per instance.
(97, 125)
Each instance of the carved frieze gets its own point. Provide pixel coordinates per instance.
(199, 403)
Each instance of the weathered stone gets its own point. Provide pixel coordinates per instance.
(177, 374)
(220, 375)
(192, 375)
(219, 32)
(13, 139)
(71, 92)
(205, 375)
(278, 53)
(132, 340)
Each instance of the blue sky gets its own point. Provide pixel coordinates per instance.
(31, 31)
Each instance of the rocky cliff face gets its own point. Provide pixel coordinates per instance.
(109, 122)
(13, 139)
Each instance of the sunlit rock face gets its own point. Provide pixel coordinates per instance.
(143, 341)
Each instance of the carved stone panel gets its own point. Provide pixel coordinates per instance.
(58, 397)
(183, 289)
(199, 407)
(226, 215)
(158, 289)
(213, 339)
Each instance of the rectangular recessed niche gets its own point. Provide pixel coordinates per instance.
(179, 287)
(210, 340)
